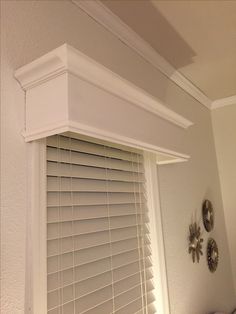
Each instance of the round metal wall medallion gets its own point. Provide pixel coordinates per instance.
(212, 255)
(208, 215)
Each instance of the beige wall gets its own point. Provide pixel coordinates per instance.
(224, 125)
(32, 28)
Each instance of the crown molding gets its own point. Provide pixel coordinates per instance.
(223, 102)
(115, 25)
(68, 59)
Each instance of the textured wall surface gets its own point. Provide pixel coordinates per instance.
(32, 28)
(225, 129)
(193, 289)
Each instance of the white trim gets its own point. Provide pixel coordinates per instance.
(67, 59)
(38, 234)
(156, 232)
(115, 25)
(170, 161)
(107, 136)
(223, 102)
(53, 129)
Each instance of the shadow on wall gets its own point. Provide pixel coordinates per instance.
(156, 30)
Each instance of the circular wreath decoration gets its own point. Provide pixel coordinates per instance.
(212, 255)
(208, 215)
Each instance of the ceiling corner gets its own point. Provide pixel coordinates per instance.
(104, 16)
(223, 102)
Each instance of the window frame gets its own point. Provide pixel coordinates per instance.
(37, 255)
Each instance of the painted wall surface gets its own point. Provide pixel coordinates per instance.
(29, 30)
(225, 130)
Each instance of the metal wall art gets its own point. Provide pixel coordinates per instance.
(212, 255)
(208, 215)
(195, 242)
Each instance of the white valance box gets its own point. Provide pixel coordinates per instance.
(68, 91)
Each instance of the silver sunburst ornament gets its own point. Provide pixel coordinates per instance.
(195, 242)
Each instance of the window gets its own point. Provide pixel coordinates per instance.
(98, 242)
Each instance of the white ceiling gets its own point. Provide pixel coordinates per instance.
(198, 38)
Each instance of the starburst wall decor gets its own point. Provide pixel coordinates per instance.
(195, 242)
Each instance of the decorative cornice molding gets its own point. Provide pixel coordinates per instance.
(67, 59)
(223, 102)
(115, 25)
(42, 69)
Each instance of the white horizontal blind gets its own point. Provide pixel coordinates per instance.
(98, 246)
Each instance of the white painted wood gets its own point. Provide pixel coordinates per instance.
(164, 156)
(47, 104)
(156, 231)
(67, 59)
(123, 140)
(110, 114)
(38, 232)
(224, 102)
(67, 91)
(115, 25)
(166, 160)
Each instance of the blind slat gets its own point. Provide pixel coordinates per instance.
(128, 296)
(91, 148)
(105, 307)
(85, 159)
(67, 213)
(82, 238)
(76, 171)
(83, 185)
(130, 269)
(93, 299)
(85, 198)
(64, 245)
(98, 225)
(132, 307)
(95, 267)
